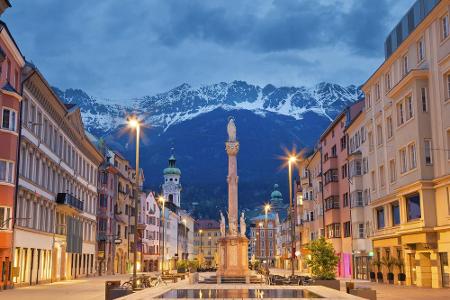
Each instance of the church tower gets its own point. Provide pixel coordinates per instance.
(172, 186)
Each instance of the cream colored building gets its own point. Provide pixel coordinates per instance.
(206, 234)
(407, 119)
(55, 232)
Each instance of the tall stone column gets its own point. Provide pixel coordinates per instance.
(232, 148)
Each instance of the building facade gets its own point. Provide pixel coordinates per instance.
(124, 213)
(150, 217)
(263, 238)
(359, 193)
(407, 119)
(11, 64)
(106, 222)
(206, 235)
(55, 231)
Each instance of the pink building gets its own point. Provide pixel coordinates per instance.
(336, 200)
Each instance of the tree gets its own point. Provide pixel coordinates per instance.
(322, 259)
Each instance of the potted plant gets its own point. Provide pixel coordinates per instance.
(182, 266)
(400, 264)
(377, 264)
(323, 262)
(389, 263)
(193, 274)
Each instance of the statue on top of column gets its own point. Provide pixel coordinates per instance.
(231, 129)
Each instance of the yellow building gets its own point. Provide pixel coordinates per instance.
(407, 122)
(206, 234)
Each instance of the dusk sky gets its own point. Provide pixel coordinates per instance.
(123, 49)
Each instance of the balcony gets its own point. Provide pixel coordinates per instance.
(69, 201)
(330, 163)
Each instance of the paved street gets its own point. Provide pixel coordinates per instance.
(92, 288)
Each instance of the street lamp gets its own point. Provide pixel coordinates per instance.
(266, 211)
(292, 159)
(163, 201)
(185, 237)
(201, 247)
(134, 123)
(209, 254)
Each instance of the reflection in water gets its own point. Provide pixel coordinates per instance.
(239, 293)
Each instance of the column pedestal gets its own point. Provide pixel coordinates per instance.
(233, 257)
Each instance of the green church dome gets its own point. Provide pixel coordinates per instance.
(172, 169)
(276, 194)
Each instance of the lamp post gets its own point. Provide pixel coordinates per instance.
(209, 242)
(185, 237)
(133, 122)
(201, 247)
(266, 211)
(292, 159)
(260, 240)
(162, 201)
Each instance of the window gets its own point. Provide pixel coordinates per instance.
(9, 119)
(444, 27)
(331, 176)
(365, 165)
(377, 91)
(379, 135)
(412, 156)
(380, 217)
(405, 65)
(428, 151)
(344, 171)
(343, 143)
(387, 79)
(6, 171)
(448, 86)
(409, 108)
(331, 203)
(423, 97)
(381, 175)
(420, 50)
(334, 230)
(368, 101)
(413, 206)
(5, 218)
(400, 114)
(333, 151)
(345, 200)
(347, 230)
(389, 128)
(357, 199)
(361, 234)
(392, 174)
(395, 214)
(403, 160)
(370, 137)
(373, 181)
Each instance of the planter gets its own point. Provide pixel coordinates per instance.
(380, 277)
(390, 277)
(332, 284)
(372, 276)
(401, 277)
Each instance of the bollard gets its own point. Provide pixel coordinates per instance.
(349, 286)
(109, 285)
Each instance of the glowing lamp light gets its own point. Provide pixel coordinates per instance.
(133, 122)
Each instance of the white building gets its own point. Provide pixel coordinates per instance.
(55, 232)
(150, 218)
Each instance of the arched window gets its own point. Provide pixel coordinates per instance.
(171, 198)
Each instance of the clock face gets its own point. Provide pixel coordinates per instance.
(170, 187)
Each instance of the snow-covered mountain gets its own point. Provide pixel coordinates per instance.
(185, 103)
(193, 120)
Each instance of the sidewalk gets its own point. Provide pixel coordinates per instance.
(92, 288)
